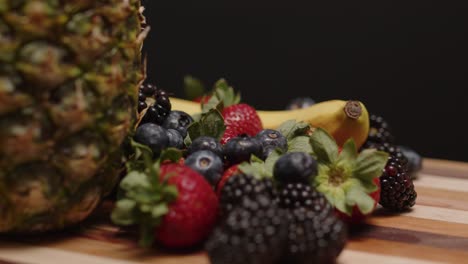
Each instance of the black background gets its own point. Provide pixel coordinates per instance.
(406, 60)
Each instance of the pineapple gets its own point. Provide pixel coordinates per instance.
(69, 76)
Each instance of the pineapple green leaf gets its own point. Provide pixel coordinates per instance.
(193, 87)
(369, 164)
(324, 146)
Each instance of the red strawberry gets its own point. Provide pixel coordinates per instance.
(202, 99)
(192, 215)
(227, 174)
(240, 119)
(349, 179)
(357, 216)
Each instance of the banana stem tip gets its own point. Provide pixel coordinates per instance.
(353, 109)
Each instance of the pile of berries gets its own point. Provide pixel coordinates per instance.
(283, 216)
(276, 220)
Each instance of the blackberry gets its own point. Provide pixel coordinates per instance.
(313, 237)
(397, 189)
(241, 186)
(148, 89)
(393, 151)
(161, 107)
(295, 195)
(379, 133)
(315, 233)
(253, 233)
(414, 161)
(142, 106)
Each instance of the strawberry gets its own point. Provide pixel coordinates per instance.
(170, 202)
(349, 180)
(233, 170)
(202, 99)
(240, 119)
(192, 216)
(357, 216)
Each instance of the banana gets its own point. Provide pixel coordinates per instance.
(342, 119)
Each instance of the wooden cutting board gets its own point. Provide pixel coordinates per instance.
(435, 231)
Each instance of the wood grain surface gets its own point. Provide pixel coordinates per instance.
(435, 231)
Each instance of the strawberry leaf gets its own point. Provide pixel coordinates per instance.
(213, 103)
(144, 197)
(324, 146)
(193, 87)
(159, 210)
(223, 96)
(349, 152)
(211, 124)
(300, 144)
(369, 164)
(272, 159)
(358, 196)
(171, 154)
(291, 129)
(123, 213)
(255, 168)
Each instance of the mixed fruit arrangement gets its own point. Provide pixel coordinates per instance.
(250, 186)
(251, 194)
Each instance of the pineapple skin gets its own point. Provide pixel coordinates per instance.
(69, 76)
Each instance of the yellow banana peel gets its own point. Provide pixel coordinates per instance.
(342, 119)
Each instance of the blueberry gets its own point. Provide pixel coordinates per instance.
(295, 167)
(300, 102)
(206, 143)
(271, 140)
(240, 149)
(179, 121)
(414, 160)
(153, 136)
(175, 139)
(207, 163)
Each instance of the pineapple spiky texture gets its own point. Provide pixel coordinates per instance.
(69, 76)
